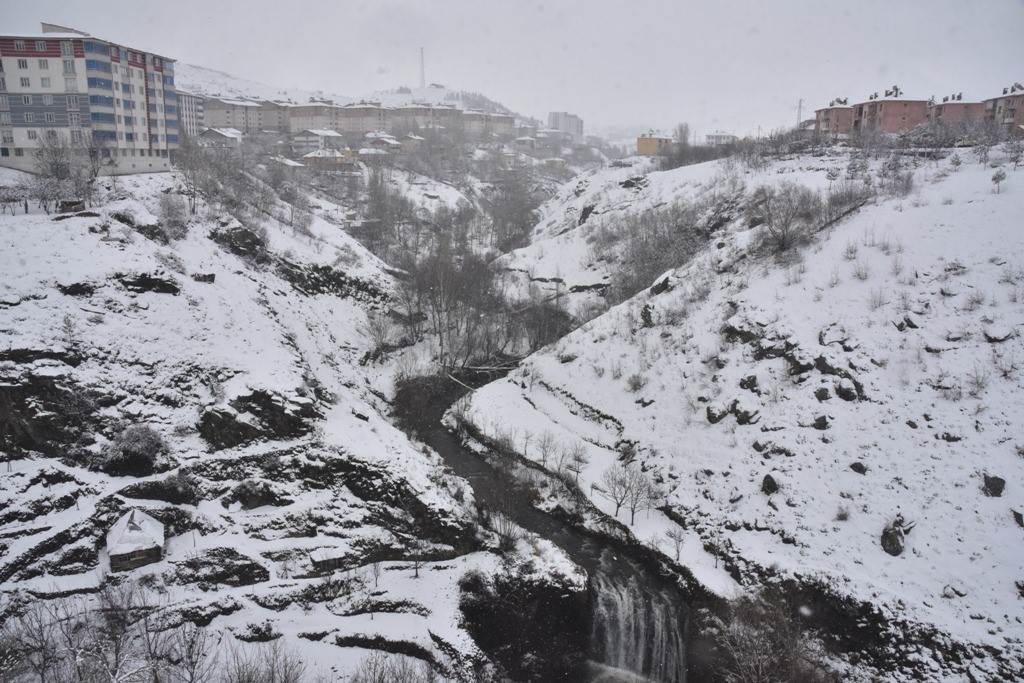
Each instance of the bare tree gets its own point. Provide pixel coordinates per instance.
(194, 654)
(640, 490)
(676, 536)
(578, 459)
(615, 486)
(546, 445)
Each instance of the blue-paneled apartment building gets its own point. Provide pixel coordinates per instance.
(63, 82)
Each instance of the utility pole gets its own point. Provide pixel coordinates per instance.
(799, 113)
(423, 71)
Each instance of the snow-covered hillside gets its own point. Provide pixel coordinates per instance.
(793, 411)
(242, 351)
(200, 80)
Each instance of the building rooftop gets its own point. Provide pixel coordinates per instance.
(134, 531)
(322, 133)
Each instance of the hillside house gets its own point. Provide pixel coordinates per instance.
(412, 142)
(720, 139)
(221, 137)
(952, 110)
(836, 119)
(327, 158)
(317, 138)
(652, 144)
(135, 540)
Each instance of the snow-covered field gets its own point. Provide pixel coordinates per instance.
(891, 344)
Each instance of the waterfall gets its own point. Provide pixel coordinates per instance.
(636, 629)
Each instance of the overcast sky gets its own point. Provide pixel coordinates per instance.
(732, 65)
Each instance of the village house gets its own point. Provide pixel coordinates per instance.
(652, 144)
(309, 140)
(221, 137)
(327, 158)
(720, 139)
(136, 539)
(412, 142)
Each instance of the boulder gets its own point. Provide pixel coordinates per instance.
(822, 394)
(821, 422)
(859, 467)
(769, 485)
(893, 540)
(994, 486)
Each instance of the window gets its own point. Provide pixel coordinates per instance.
(71, 84)
(25, 83)
(128, 120)
(129, 137)
(3, 84)
(74, 118)
(19, 152)
(44, 82)
(4, 152)
(128, 104)
(30, 117)
(4, 102)
(95, 65)
(127, 88)
(101, 100)
(19, 45)
(5, 118)
(50, 117)
(40, 46)
(66, 49)
(22, 63)
(26, 99)
(100, 83)
(98, 117)
(69, 66)
(44, 63)
(48, 100)
(76, 136)
(72, 101)
(32, 135)
(7, 136)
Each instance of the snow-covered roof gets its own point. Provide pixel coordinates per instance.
(413, 136)
(525, 138)
(237, 103)
(324, 154)
(321, 133)
(226, 132)
(367, 151)
(285, 162)
(379, 135)
(133, 532)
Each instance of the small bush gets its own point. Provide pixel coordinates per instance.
(636, 382)
(173, 214)
(134, 452)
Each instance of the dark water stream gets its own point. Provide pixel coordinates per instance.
(638, 618)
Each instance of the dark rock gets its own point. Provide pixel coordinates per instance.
(893, 540)
(77, 289)
(716, 415)
(241, 242)
(585, 214)
(821, 422)
(769, 485)
(204, 277)
(745, 417)
(994, 486)
(1018, 517)
(148, 283)
(822, 394)
(910, 322)
(274, 419)
(911, 424)
(859, 467)
(750, 384)
(759, 447)
(637, 182)
(647, 315)
(845, 392)
(996, 338)
(951, 438)
(661, 286)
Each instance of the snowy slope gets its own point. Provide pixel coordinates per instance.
(254, 381)
(200, 80)
(892, 344)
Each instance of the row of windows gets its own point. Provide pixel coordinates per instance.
(6, 118)
(47, 100)
(97, 65)
(41, 46)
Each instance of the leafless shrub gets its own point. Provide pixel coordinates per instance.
(636, 382)
(877, 299)
(897, 265)
(1006, 364)
(977, 380)
(861, 270)
(973, 300)
(850, 251)
(842, 514)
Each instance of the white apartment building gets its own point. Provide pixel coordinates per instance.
(66, 83)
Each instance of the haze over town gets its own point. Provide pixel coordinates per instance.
(733, 65)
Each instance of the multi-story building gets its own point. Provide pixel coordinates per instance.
(835, 119)
(243, 115)
(358, 118)
(952, 110)
(66, 84)
(567, 123)
(889, 114)
(1007, 111)
(191, 121)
